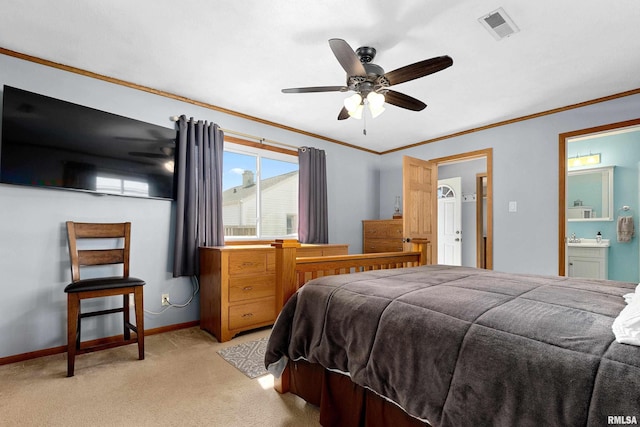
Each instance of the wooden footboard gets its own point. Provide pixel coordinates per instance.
(293, 272)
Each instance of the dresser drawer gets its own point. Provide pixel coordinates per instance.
(322, 250)
(252, 313)
(250, 262)
(383, 229)
(309, 252)
(251, 287)
(335, 251)
(382, 245)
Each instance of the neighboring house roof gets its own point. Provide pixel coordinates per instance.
(240, 192)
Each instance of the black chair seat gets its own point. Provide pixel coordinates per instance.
(102, 283)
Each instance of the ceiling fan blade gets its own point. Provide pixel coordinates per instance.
(316, 89)
(347, 57)
(403, 101)
(419, 69)
(344, 114)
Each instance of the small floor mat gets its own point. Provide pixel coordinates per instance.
(248, 357)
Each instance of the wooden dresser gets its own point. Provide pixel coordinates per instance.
(238, 286)
(382, 235)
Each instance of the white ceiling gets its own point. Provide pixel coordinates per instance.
(237, 55)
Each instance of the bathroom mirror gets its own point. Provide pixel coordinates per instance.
(590, 194)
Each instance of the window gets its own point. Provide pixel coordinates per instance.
(445, 192)
(260, 193)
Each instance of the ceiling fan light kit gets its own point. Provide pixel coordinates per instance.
(355, 104)
(376, 103)
(371, 84)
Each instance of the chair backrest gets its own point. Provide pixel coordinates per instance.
(97, 256)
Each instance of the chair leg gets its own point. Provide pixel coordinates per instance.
(73, 313)
(138, 295)
(79, 323)
(125, 312)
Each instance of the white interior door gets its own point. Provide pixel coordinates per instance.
(450, 221)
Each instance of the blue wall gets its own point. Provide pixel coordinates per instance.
(33, 254)
(525, 170)
(622, 151)
(34, 264)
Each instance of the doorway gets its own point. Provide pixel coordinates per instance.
(623, 259)
(480, 203)
(450, 221)
(481, 220)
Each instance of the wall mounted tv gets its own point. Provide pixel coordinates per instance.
(47, 142)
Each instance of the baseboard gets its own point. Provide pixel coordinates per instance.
(170, 328)
(63, 348)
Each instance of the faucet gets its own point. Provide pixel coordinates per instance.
(573, 238)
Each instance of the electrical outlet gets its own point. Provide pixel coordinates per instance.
(165, 299)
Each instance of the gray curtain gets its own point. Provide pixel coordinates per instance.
(199, 193)
(312, 196)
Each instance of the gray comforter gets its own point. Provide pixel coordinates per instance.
(467, 347)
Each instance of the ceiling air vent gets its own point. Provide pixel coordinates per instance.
(498, 24)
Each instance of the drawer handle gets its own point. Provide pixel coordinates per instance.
(247, 315)
(247, 288)
(247, 264)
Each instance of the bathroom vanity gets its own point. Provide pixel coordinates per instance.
(588, 258)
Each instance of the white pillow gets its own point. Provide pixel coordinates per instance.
(626, 327)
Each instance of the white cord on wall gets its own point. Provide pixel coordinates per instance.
(196, 288)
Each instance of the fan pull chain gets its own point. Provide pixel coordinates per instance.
(364, 122)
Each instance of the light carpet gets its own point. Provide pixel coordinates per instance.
(181, 382)
(247, 357)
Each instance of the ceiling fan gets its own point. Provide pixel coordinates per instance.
(371, 84)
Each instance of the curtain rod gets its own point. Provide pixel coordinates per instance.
(246, 135)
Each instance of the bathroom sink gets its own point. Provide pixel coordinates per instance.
(590, 243)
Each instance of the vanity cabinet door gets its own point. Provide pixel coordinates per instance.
(589, 266)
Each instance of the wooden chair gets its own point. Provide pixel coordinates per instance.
(80, 289)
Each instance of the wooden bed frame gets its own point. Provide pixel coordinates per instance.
(310, 381)
(344, 403)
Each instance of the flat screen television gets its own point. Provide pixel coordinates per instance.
(47, 142)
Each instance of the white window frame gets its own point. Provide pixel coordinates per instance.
(260, 153)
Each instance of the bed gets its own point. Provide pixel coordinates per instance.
(450, 346)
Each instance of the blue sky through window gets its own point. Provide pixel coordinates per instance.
(234, 164)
